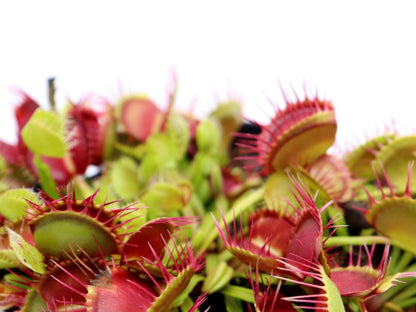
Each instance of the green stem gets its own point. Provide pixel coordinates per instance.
(45, 177)
(354, 304)
(411, 302)
(239, 292)
(404, 262)
(356, 240)
(395, 254)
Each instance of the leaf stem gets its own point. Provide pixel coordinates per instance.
(238, 292)
(51, 93)
(404, 261)
(356, 240)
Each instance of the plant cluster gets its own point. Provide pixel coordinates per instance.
(134, 206)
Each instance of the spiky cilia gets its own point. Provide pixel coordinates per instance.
(394, 216)
(64, 223)
(273, 235)
(300, 133)
(115, 287)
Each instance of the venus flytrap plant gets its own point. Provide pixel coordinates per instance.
(215, 201)
(55, 148)
(285, 145)
(282, 199)
(78, 276)
(205, 170)
(272, 235)
(362, 281)
(76, 223)
(101, 285)
(129, 292)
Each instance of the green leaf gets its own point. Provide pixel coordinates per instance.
(44, 134)
(13, 203)
(164, 147)
(239, 292)
(229, 116)
(167, 197)
(28, 254)
(233, 304)
(45, 177)
(219, 274)
(208, 136)
(160, 159)
(124, 178)
(178, 129)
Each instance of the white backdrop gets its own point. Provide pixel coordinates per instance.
(359, 54)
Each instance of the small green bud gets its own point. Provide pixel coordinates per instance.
(124, 178)
(208, 136)
(178, 129)
(168, 197)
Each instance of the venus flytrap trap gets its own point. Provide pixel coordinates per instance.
(403, 294)
(139, 116)
(53, 148)
(44, 134)
(360, 280)
(386, 213)
(196, 214)
(300, 124)
(78, 277)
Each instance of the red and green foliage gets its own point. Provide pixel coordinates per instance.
(198, 214)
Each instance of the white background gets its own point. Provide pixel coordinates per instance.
(359, 54)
